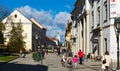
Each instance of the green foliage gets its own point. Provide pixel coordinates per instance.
(7, 58)
(2, 28)
(16, 41)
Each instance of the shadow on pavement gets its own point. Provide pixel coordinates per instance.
(2, 63)
(22, 67)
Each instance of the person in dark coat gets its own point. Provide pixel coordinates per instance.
(43, 53)
(58, 50)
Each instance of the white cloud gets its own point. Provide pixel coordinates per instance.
(54, 23)
(25, 10)
(68, 6)
(42, 16)
(61, 19)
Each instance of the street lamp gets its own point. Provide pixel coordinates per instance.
(117, 31)
(36, 37)
(38, 49)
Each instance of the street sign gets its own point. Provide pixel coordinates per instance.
(117, 20)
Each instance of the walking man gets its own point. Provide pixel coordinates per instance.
(80, 54)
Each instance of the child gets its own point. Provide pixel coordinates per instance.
(63, 60)
(23, 55)
(75, 60)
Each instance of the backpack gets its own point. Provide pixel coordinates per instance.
(62, 60)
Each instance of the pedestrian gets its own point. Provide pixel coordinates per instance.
(80, 54)
(88, 56)
(46, 51)
(43, 53)
(38, 56)
(75, 60)
(23, 55)
(63, 59)
(70, 54)
(58, 50)
(106, 60)
(21, 52)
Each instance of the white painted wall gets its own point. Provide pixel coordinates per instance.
(26, 27)
(113, 44)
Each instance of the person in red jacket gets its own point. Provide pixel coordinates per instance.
(80, 54)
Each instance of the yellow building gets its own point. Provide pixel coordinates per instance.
(68, 36)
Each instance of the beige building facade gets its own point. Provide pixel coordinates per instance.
(33, 32)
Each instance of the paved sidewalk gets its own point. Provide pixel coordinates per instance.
(53, 62)
(50, 63)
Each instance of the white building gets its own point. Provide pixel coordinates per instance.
(34, 33)
(80, 27)
(103, 13)
(93, 26)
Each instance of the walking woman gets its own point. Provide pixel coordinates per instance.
(106, 60)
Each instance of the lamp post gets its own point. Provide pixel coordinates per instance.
(117, 31)
(36, 37)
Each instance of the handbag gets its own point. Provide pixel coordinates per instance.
(103, 66)
(104, 61)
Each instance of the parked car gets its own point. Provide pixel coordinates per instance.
(49, 51)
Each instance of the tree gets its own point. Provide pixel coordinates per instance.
(2, 29)
(4, 12)
(16, 41)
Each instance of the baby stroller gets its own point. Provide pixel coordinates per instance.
(69, 62)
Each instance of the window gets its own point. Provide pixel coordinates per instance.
(74, 40)
(92, 3)
(105, 11)
(105, 43)
(98, 13)
(92, 20)
(15, 15)
(98, 1)
(25, 35)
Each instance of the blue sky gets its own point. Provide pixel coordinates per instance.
(53, 14)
